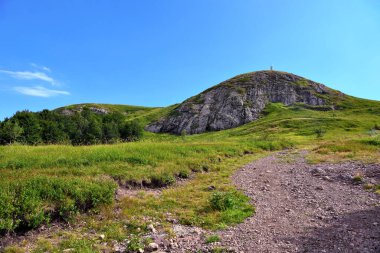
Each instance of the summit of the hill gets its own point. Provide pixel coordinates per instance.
(241, 99)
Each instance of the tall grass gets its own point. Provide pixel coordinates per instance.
(55, 182)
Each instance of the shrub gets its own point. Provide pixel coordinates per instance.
(135, 243)
(372, 142)
(319, 132)
(358, 178)
(131, 131)
(222, 201)
(27, 203)
(184, 174)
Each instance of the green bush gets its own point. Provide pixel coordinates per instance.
(30, 202)
(135, 243)
(319, 132)
(372, 142)
(222, 201)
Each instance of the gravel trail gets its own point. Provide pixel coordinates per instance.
(302, 208)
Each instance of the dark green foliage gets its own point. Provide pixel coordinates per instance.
(319, 132)
(31, 127)
(372, 142)
(82, 128)
(10, 132)
(110, 132)
(131, 131)
(52, 133)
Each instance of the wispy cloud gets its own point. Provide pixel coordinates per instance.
(39, 91)
(29, 86)
(44, 68)
(28, 75)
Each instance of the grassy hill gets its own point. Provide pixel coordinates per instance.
(77, 185)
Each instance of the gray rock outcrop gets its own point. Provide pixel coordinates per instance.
(240, 100)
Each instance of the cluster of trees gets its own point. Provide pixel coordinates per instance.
(81, 128)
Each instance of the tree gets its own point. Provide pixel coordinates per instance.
(51, 133)
(93, 132)
(10, 132)
(30, 123)
(110, 132)
(81, 128)
(131, 131)
(91, 127)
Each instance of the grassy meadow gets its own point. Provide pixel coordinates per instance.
(40, 185)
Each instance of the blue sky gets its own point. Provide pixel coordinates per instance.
(157, 53)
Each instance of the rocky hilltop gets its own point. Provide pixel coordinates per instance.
(241, 100)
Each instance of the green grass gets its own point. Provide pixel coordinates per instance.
(27, 203)
(212, 239)
(58, 181)
(45, 183)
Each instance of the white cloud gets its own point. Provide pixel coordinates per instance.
(39, 91)
(28, 75)
(44, 68)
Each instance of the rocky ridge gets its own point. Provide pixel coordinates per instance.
(240, 100)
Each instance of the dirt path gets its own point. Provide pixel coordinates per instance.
(303, 208)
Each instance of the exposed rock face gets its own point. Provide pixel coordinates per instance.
(97, 110)
(67, 112)
(240, 100)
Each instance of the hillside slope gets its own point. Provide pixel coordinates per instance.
(143, 114)
(242, 99)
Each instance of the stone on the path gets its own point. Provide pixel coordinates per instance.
(152, 247)
(318, 171)
(151, 228)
